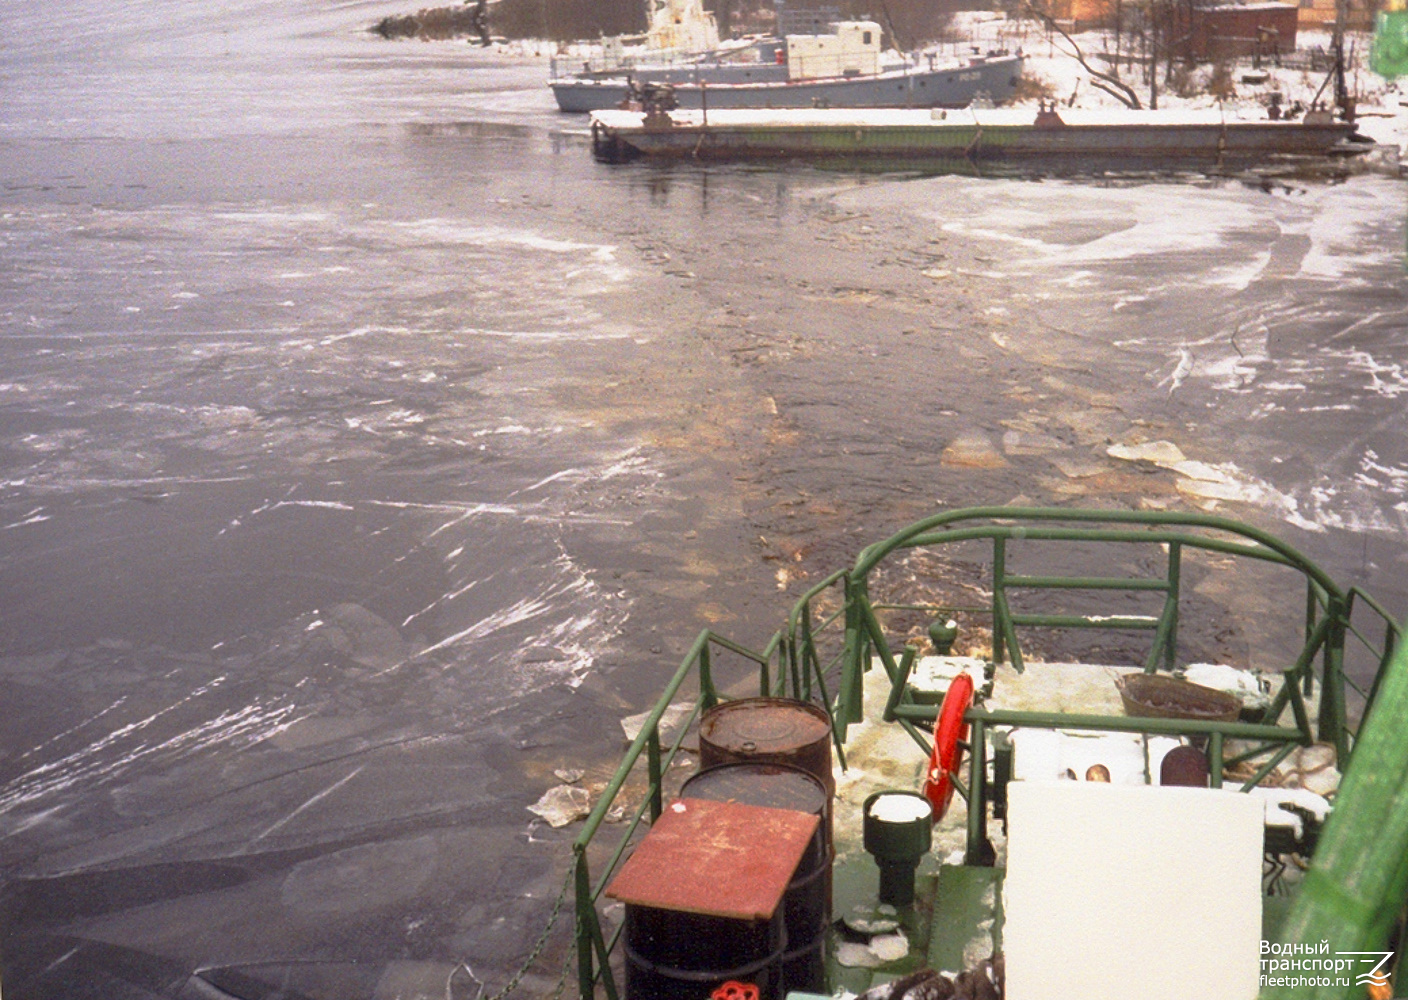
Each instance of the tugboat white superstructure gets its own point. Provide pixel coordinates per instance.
(845, 67)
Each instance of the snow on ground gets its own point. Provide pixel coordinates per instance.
(1382, 104)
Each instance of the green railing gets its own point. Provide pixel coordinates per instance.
(1329, 610)
(835, 630)
(594, 946)
(1328, 615)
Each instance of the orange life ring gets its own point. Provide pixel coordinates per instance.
(938, 783)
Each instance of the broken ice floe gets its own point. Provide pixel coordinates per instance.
(1210, 484)
(972, 450)
(562, 804)
(856, 956)
(871, 920)
(676, 714)
(881, 949)
(889, 947)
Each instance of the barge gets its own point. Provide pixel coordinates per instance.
(1098, 845)
(972, 136)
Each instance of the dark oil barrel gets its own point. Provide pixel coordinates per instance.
(807, 903)
(673, 955)
(781, 731)
(768, 730)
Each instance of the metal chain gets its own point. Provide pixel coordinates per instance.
(562, 979)
(540, 944)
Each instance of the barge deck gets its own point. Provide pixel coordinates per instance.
(998, 135)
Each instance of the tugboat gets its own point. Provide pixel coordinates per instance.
(842, 67)
(996, 824)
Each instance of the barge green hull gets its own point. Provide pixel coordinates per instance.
(623, 136)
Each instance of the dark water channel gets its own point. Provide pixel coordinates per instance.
(367, 452)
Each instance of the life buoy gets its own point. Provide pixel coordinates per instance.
(938, 785)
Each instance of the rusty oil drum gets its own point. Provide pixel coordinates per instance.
(806, 906)
(768, 730)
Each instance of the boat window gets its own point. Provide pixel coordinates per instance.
(865, 38)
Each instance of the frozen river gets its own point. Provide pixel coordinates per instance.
(367, 451)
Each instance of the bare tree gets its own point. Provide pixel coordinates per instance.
(1110, 83)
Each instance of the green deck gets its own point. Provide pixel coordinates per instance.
(957, 908)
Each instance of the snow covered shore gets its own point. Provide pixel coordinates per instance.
(1382, 104)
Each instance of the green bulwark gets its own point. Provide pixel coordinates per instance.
(1354, 893)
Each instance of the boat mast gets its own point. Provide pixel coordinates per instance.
(1342, 99)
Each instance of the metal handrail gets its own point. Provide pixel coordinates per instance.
(1176, 530)
(872, 554)
(1392, 634)
(594, 948)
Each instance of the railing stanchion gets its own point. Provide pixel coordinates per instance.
(977, 853)
(1215, 760)
(652, 751)
(1175, 575)
(999, 581)
(708, 697)
(584, 911)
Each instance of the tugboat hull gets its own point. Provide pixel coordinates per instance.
(763, 87)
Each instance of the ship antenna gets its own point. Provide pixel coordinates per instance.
(1342, 100)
